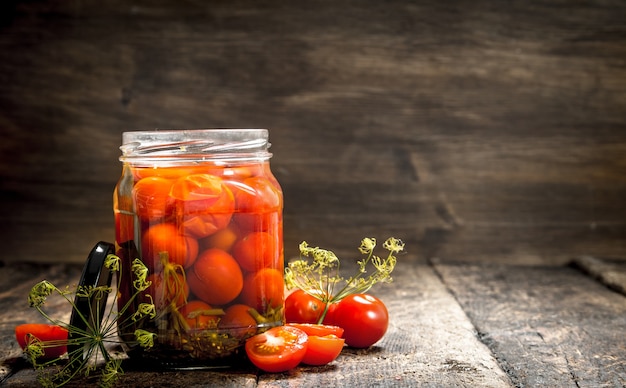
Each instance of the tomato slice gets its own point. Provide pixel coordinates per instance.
(318, 330)
(278, 349)
(53, 337)
(322, 350)
(324, 345)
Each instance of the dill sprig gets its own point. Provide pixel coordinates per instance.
(89, 344)
(321, 277)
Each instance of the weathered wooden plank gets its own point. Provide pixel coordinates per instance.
(611, 272)
(17, 280)
(454, 122)
(547, 326)
(430, 343)
(26, 378)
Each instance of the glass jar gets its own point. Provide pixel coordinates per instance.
(203, 212)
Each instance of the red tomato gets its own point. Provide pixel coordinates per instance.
(164, 237)
(258, 201)
(152, 198)
(54, 338)
(313, 329)
(263, 289)
(238, 321)
(223, 239)
(197, 187)
(258, 222)
(215, 277)
(278, 349)
(196, 314)
(166, 172)
(204, 204)
(240, 172)
(301, 307)
(363, 317)
(322, 350)
(256, 250)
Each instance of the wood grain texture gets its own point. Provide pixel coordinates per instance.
(547, 326)
(611, 273)
(461, 325)
(429, 343)
(17, 280)
(477, 131)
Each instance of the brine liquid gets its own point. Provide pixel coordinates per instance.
(211, 238)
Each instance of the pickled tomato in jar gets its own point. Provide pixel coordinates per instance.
(203, 212)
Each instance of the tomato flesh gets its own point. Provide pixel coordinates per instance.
(324, 345)
(278, 349)
(312, 329)
(322, 350)
(54, 338)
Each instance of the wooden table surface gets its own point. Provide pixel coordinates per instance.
(474, 130)
(490, 135)
(452, 324)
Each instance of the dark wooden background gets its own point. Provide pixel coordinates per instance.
(475, 130)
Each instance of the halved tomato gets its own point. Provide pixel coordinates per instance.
(318, 330)
(278, 349)
(53, 338)
(324, 345)
(322, 350)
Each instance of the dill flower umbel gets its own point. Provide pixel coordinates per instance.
(321, 279)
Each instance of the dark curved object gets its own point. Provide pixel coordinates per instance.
(95, 274)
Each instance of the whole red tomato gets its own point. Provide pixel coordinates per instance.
(238, 321)
(257, 250)
(204, 204)
(263, 289)
(197, 315)
(301, 307)
(215, 277)
(152, 198)
(164, 237)
(258, 201)
(364, 319)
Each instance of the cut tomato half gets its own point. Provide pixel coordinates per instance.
(53, 338)
(318, 330)
(277, 350)
(322, 350)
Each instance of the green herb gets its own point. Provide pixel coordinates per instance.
(90, 344)
(322, 280)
